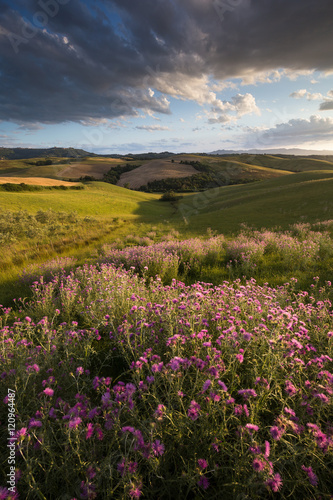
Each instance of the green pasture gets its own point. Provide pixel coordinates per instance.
(276, 202)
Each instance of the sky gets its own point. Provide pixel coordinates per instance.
(132, 76)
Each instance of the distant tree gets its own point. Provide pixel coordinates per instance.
(169, 196)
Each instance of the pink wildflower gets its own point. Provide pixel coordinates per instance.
(34, 423)
(158, 448)
(74, 423)
(206, 385)
(267, 449)
(247, 393)
(290, 388)
(48, 391)
(193, 411)
(274, 483)
(258, 465)
(135, 491)
(203, 482)
(311, 475)
(203, 464)
(276, 432)
(252, 428)
(90, 430)
(223, 386)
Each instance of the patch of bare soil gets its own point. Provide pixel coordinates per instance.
(155, 170)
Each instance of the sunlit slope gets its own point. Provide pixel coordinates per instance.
(290, 163)
(305, 196)
(61, 168)
(97, 199)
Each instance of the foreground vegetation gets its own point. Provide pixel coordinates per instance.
(127, 388)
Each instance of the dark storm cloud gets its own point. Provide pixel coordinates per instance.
(71, 60)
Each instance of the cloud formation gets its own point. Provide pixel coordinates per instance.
(295, 131)
(227, 111)
(73, 60)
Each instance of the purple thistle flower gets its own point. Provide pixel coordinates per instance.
(158, 448)
(91, 473)
(223, 386)
(247, 393)
(48, 391)
(276, 432)
(193, 411)
(99, 433)
(74, 423)
(127, 429)
(290, 388)
(3, 493)
(34, 423)
(267, 449)
(135, 491)
(90, 430)
(252, 428)
(21, 432)
(258, 465)
(311, 475)
(121, 467)
(274, 483)
(203, 464)
(206, 385)
(132, 467)
(203, 482)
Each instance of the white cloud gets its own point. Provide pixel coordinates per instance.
(314, 97)
(239, 106)
(293, 132)
(299, 94)
(293, 75)
(151, 128)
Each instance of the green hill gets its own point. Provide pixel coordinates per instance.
(24, 153)
(304, 196)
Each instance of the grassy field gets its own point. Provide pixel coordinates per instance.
(120, 212)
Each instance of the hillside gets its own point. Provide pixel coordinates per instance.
(155, 170)
(23, 153)
(303, 196)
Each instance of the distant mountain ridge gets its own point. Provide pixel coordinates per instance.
(23, 153)
(278, 151)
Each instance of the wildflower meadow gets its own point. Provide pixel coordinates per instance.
(130, 382)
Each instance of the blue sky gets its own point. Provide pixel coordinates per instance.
(117, 76)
